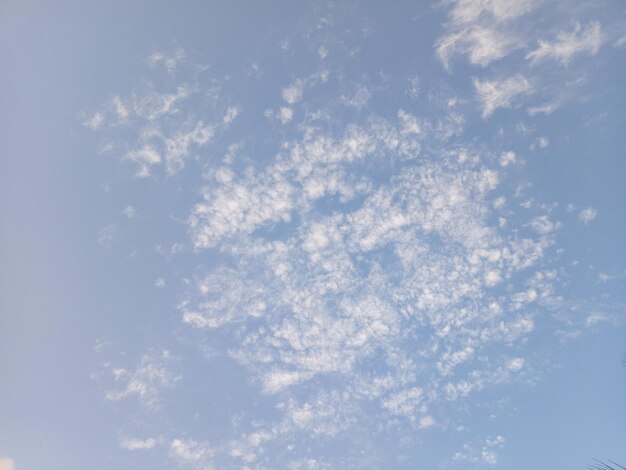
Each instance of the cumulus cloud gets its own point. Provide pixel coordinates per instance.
(190, 452)
(507, 158)
(285, 114)
(566, 45)
(543, 225)
(494, 94)
(231, 114)
(293, 93)
(426, 422)
(587, 215)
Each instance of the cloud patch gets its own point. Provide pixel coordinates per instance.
(481, 30)
(495, 94)
(581, 40)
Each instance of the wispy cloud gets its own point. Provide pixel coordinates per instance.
(137, 444)
(566, 45)
(231, 114)
(481, 30)
(487, 453)
(494, 94)
(169, 61)
(144, 382)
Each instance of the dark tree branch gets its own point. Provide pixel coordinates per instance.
(605, 466)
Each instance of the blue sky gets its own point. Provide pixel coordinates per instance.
(312, 235)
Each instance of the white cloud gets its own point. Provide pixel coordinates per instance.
(507, 158)
(169, 61)
(7, 463)
(495, 441)
(95, 121)
(493, 278)
(279, 379)
(494, 94)
(621, 42)
(603, 277)
(231, 114)
(178, 146)
(547, 108)
(359, 98)
(160, 283)
(129, 212)
(427, 422)
(587, 215)
(293, 93)
(385, 243)
(410, 124)
(322, 52)
(524, 297)
(285, 115)
(404, 402)
(107, 234)
(489, 457)
(543, 225)
(325, 413)
(430, 220)
(414, 87)
(482, 30)
(154, 105)
(482, 45)
(569, 44)
(146, 381)
(486, 454)
(188, 451)
(119, 109)
(137, 444)
(468, 11)
(145, 157)
(543, 142)
(596, 318)
(155, 146)
(241, 206)
(515, 364)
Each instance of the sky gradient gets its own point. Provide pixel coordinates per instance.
(321, 235)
